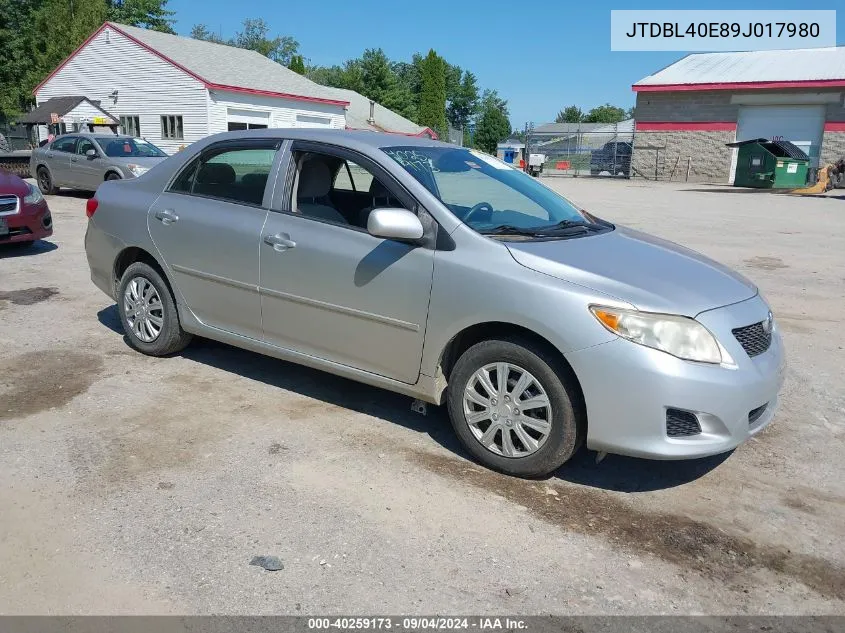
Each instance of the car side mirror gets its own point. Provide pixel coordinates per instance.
(91, 154)
(394, 223)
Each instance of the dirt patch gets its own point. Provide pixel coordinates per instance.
(680, 540)
(156, 438)
(766, 263)
(797, 503)
(28, 296)
(37, 381)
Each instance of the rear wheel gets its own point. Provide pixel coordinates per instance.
(148, 312)
(45, 182)
(513, 408)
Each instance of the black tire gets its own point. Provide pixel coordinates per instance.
(113, 176)
(45, 182)
(172, 338)
(568, 419)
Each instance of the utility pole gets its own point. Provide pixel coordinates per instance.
(525, 148)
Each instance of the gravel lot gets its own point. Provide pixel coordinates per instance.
(131, 484)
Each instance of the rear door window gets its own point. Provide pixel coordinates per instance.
(233, 173)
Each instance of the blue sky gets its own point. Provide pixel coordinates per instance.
(541, 56)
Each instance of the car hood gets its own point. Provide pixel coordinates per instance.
(652, 274)
(10, 184)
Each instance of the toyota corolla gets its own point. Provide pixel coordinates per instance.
(441, 273)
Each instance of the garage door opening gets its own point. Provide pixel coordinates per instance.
(307, 120)
(246, 119)
(801, 125)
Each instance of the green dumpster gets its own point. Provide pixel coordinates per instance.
(770, 164)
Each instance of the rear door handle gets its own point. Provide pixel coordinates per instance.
(167, 216)
(280, 242)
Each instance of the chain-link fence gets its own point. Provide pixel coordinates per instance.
(581, 149)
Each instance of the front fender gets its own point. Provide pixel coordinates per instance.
(470, 289)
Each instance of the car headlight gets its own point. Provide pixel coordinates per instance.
(34, 196)
(676, 335)
(137, 170)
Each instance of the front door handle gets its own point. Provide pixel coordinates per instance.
(167, 216)
(280, 242)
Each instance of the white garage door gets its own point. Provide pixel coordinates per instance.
(801, 125)
(238, 119)
(313, 120)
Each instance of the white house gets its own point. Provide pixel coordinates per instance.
(174, 90)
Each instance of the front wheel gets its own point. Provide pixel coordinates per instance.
(514, 409)
(113, 176)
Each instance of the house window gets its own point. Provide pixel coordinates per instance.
(131, 125)
(171, 127)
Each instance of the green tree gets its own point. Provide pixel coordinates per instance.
(464, 101)
(382, 85)
(493, 124)
(255, 36)
(202, 32)
(148, 14)
(570, 114)
(350, 75)
(605, 114)
(16, 64)
(432, 110)
(297, 64)
(409, 74)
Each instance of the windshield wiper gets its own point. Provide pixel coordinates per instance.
(565, 225)
(509, 229)
(561, 228)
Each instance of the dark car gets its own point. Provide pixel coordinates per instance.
(24, 214)
(613, 157)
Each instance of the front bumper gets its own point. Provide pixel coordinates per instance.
(31, 222)
(628, 389)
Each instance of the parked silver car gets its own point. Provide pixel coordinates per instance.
(441, 273)
(83, 161)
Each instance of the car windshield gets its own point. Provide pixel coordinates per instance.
(130, 148)
(487, 194)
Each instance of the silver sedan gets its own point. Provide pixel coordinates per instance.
(83, 161)
(441, 273)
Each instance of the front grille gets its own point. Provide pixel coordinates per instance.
(753, 338)
(755, 414)
(681, 423)
(8, 205)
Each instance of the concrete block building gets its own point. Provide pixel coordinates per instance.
(686, 112)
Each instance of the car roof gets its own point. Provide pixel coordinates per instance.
(341, 137)
(94, 135)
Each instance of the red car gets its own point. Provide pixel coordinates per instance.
(24, 214)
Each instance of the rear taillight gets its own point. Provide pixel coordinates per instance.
(91, 206)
